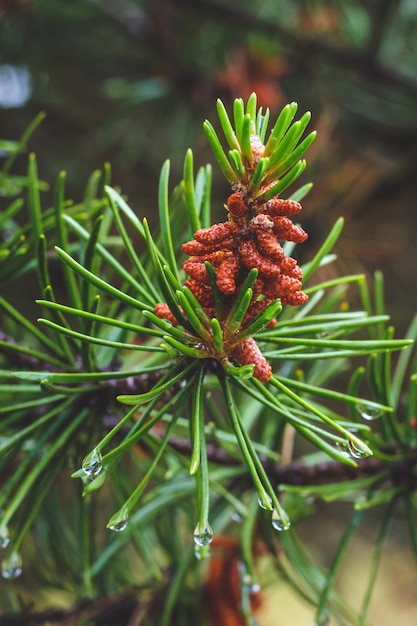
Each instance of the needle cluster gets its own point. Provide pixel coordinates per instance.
(222, 255)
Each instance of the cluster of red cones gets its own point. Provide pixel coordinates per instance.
(250, 238)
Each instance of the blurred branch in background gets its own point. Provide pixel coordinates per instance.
(304, 39)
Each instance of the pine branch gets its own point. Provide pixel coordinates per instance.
(298, 473)
(231, 355)
(363, 62)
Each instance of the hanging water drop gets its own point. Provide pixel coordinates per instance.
(356, 450)
(203, 534)
(92, 464)
(4, 537)
(11, 566)
(369, 412)
(119, 526)
(280, 520)
(262, 503)
(359, 450)
(119, 521)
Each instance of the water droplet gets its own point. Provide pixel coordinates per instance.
(249, 586)
(255, 588)
(236, 517)
(263, 505)
(119, 526)
(92, 464)
(280, 520)
(203, 534)
(359, 450)
(356, 450)
(4, 537)
(119, 521)
(11, 566)
(369, 412)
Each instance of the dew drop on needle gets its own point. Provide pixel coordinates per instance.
(280, 520)
(203, 534)
(92, 464)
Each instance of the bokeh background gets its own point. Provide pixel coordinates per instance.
(131, 81)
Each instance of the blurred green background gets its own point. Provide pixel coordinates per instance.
(131, 81)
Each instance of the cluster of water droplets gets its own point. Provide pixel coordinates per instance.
(11, 565)
(279, 520)
(249, 585)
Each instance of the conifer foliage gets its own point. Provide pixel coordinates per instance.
(223, 349)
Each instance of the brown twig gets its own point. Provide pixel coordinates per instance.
(107, 611)
(298, 473)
